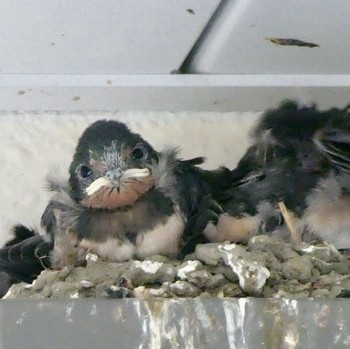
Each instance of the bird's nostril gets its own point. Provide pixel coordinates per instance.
(113, 175)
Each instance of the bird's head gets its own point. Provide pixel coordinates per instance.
(111, 167)
(288, 133)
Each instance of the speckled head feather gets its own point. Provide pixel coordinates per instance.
(107, 145)
(101, 134)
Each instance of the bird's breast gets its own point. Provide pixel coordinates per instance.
(153, 225)
(328, 212)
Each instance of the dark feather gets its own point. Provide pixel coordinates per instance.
(24, 256)
(334, 143)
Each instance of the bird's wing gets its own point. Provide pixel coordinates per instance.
(194, 183)
(212, 192)
(334, 143)
(25, 255)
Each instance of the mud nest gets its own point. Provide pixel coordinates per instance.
(265, 267)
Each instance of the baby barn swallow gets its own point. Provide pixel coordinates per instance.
(123, 200)
(299, 156)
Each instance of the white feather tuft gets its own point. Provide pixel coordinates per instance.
(57, 179)
(163, 172)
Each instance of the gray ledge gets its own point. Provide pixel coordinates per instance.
(175, 323)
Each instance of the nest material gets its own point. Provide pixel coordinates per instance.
(289, 219)
(265, 267)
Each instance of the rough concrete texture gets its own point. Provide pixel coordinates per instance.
(214, 270)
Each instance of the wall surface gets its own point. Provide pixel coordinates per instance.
(187, 55)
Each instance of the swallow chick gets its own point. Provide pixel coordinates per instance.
(122, 200)
(299, 157)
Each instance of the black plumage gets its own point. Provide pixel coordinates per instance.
(299, 156)
(23, 257)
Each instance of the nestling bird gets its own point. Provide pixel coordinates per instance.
(299, 156)
(123, 200)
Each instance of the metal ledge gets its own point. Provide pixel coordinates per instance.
(175, 323)
(168, 92)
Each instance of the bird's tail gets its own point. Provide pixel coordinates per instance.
(23, 257)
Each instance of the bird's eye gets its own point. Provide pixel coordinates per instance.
(85, 171)
(138, 153)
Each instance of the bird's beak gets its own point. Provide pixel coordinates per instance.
(109, 182)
